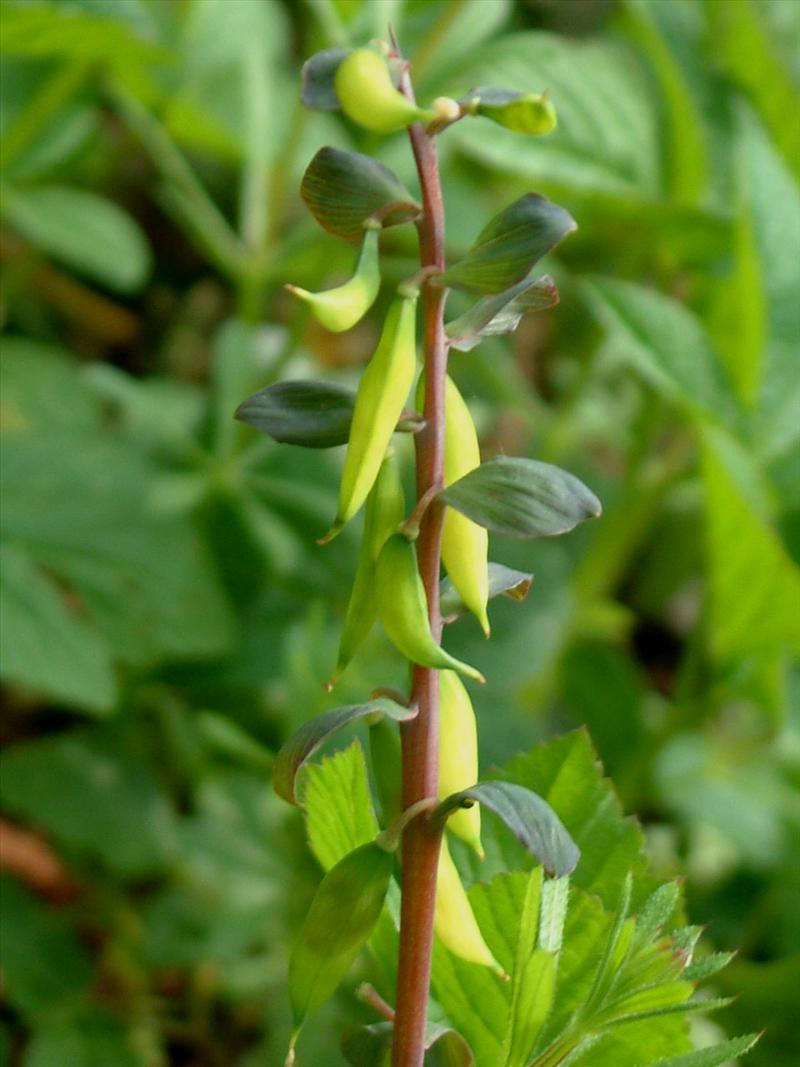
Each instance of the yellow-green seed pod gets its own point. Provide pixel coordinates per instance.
(453, 920)
(465, 544)
(458, 756)
(341, 308)
(367, 95)
(384, 511)
(521, 112)
(381, 397)
(403, 608)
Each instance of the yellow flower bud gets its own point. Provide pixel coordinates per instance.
(341, 308)
(458, 756)
(453, 920)
(367, 95)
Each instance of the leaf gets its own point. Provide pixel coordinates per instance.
(753, 583)
(501, 313)
(715, 1056)
(308, 413)
(664, 341)
(46, 647)
(343, 914)
(343, 189)
(58, 972)
(531, 985)
(566, 773)
(510, 245)
(87, 232)
(503, 581)
(521, 497)
(88, 1039)
(94, 794)
(318, 91)
(305, 741)
(528, 816)
(338, 805)
(607, 141)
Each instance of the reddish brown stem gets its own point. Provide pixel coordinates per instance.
(420, 736)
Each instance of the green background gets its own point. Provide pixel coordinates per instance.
(166, 617)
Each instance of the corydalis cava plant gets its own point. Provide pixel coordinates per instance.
(636, 973)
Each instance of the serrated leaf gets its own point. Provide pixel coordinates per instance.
(312, 414)
(318, 91)
(521, 497)
(501, 312)
(531, 984)
(305, 741)
(510, 245)
(706, 966)
(528, 816)
(338, 805)
(503, 581)
(343, 914)
(87, 232)
(343, 189)
(656, 911)
(665, 342)
(715, 1056)
(566, 773)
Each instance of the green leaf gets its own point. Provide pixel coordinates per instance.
(532, 981)
(510, 245)
(715, 1056)
(47, 647)
(607, 141)
(338, 805)
(753, 584)
(370, 1046)
(343, 189)
(555, 900)
(84, 1040)
(302, 744)
(57, 972)
(528, 817)
(92, 792)
(318, 91)
(343, 914)
(503, 581)
(308, 413)
(566, 773)
(664, 342)
(501, 313)
(85, 231)
(521, 497)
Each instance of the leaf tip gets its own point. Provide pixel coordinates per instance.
(334, 531)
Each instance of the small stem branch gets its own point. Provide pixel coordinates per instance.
(420, 737)
(367, 994)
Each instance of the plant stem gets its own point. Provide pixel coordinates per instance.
(420, 737)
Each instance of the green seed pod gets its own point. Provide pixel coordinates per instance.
(453, 920)
(520, 112)
(341, 308)
(465, 544)
(384, 511)
(381, 396)
(458, 756)
(403, 608)
(342, 916)
(367, 95)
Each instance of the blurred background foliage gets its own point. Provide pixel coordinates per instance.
(166, 616)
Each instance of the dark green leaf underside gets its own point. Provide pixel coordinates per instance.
(528, 816)
(343, 189)
(510, 245)
(522, 497)
(311, 735)
(318, 91)
(307, 413)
